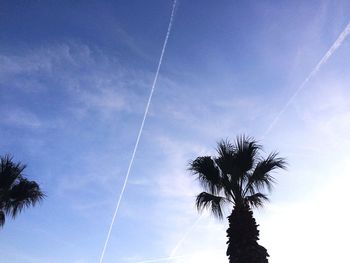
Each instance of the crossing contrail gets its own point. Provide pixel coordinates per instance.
(339, 41)
(140, 130)
(179, 243)
(177, 246)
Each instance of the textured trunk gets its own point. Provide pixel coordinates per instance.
(243, 235)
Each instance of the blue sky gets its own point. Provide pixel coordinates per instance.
(74, 82)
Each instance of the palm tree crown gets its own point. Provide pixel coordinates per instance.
(16, 192)
(237, 175)
(240, 176)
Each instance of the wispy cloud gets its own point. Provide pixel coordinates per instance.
(88, 94)
(86, 79)
(20, 118)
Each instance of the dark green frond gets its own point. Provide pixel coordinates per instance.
(256, 200)
(208, 174)
(24, 194)
(208, 201)
(2, 218)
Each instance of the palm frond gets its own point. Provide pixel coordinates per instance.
(225, 159)
(2, 218)
(208, 201)
(246, 152)
(225, 147)
(261, 176)
(256, 200)
(9, 172)
(237, 174)
(207, 173)
(24, 194)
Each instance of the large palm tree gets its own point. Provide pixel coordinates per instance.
(16, 192)
(240, 177)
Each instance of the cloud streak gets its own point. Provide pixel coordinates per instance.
(339, 41)
(140, 130)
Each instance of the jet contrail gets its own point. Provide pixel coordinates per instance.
(191, 228)
(141, 129)
(178, 244)
(325, 58)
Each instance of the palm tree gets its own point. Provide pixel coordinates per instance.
(16, 192)
(238, 176)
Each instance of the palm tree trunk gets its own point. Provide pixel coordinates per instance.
(243, 235)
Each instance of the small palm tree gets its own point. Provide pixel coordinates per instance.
(16, 192)
(237, 176)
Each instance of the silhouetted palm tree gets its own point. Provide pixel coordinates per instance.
(237, 176)
(16, 192)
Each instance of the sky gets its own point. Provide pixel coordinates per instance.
(75, 77)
